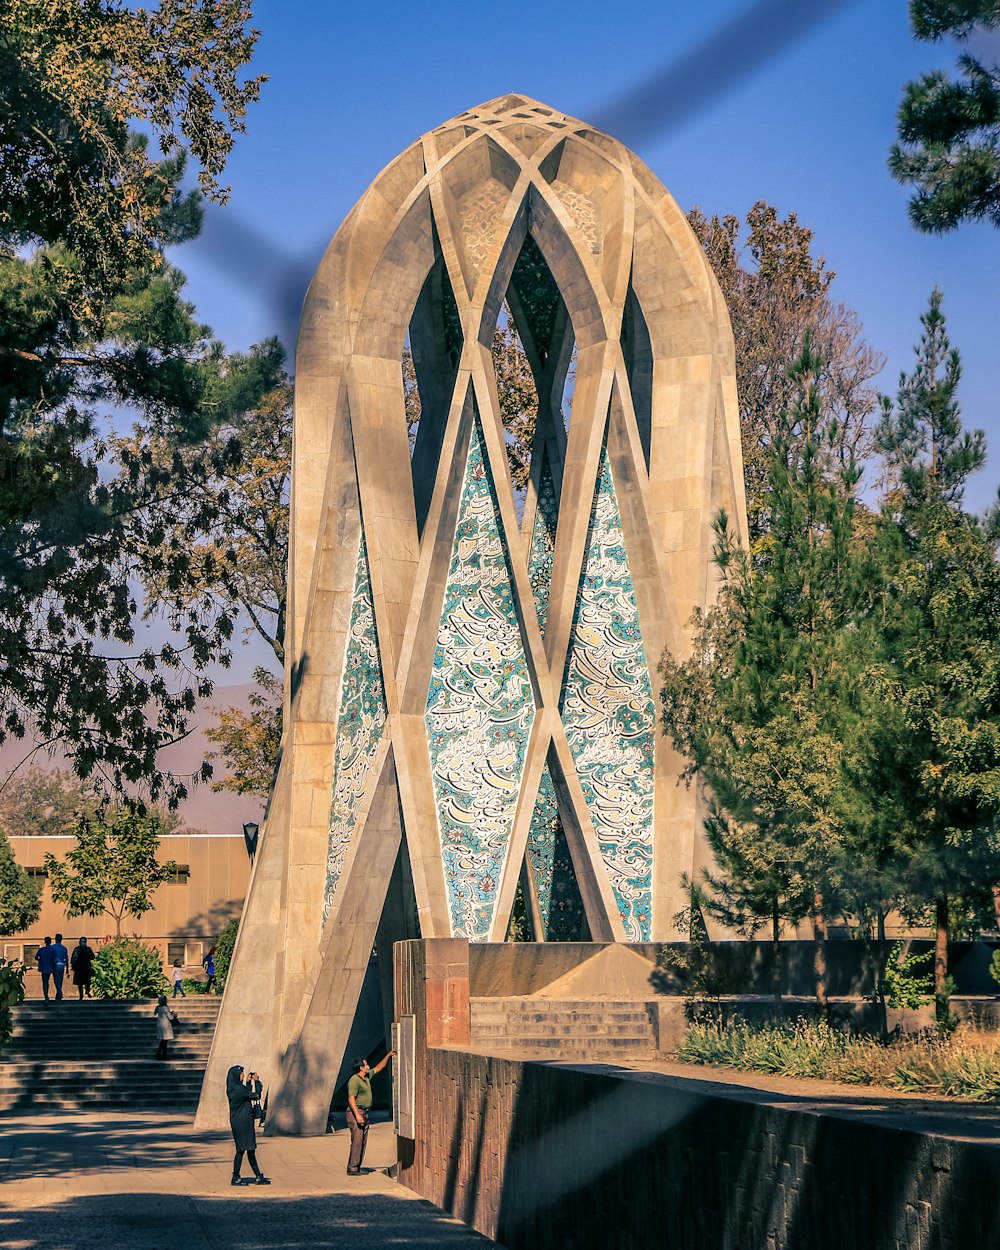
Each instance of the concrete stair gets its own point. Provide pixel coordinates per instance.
(553, 1028)
(75, 1055)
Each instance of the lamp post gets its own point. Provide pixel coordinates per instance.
(250, 833)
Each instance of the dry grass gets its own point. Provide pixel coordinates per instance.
(964, 1064)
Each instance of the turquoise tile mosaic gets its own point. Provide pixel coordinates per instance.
(479, 705)
(543, 542)
(360, 723)
(606, 704)
(551, 866)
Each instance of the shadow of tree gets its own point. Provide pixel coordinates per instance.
(162, 1221)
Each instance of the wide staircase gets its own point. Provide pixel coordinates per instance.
(590, 1030)
(77, 1055)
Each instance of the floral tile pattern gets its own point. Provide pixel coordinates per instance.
(552, 873)
(606, 704)
(543, 542)
(360, 724)
(479, 706)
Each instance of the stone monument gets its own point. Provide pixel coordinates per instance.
(473, 636)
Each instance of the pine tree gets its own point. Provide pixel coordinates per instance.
(937, 679)
(949, 129)
(762, 709)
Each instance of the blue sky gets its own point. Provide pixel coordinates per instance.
(351, 86)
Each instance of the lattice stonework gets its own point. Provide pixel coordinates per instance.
(359, 725)
(470, 717)
(607, 708)
(479, 707)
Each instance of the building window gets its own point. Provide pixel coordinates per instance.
(181, 876)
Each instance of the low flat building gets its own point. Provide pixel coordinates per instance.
(188, 913)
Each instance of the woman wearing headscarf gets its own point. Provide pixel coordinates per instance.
(242, 1096)
(165, 1020)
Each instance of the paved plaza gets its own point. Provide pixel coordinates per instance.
(123, 1181)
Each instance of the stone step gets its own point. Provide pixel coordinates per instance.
(555, 1029)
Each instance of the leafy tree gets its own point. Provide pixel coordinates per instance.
(94, 318)
(937, 678)
(44, 804)
(777, 292)
(949, 129)
(214, 532)
(763, 707)
(20, 897)
(113, 869)
(250, 741)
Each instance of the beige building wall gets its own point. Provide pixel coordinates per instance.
(187, 916)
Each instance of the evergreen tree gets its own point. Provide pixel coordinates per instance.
(937, 679)
(949, 129)
(763, 708)
(92, 322)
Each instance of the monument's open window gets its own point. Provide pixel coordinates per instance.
(431, 355)
(638, 355)
(543, 332)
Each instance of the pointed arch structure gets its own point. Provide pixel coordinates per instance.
(470, 693)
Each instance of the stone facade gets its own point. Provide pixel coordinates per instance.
(472, 664)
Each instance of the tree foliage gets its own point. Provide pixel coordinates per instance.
(777, 292)
(93, 319)
(42, 803)
(113, 869)
(224, 953)
(20, 897)
(937, 674)
(763, 707)
(948, 129)
(250, 741)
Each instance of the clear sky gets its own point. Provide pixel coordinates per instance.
(351, 86)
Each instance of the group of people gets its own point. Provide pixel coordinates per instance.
(53, 959)
(244, 1089)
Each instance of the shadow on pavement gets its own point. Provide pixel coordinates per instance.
(249, 1220)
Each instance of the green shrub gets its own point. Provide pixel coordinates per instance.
(11, 993)
(224, 954)
(904, 989)
(964, 1064)
(995, 966)
(190, 986)
(128, 968)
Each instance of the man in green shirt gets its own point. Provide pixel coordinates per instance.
(359, 1102)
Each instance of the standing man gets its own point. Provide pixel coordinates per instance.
(359, 1104)
(45, 957)
(61, 964)
(82, 963)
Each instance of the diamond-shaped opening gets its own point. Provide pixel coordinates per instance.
(533, 344)
(638, 353)
(556, 904)
(431, 354)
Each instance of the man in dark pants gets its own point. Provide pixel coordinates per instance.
(61, 964)
(359, 1103)
(45, 957)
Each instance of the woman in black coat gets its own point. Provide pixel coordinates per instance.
(242, 1116)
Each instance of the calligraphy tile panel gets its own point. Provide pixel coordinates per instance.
(479, 706)
(606, 704)
(360, 724)
(560, 905)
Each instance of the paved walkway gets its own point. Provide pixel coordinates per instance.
(120, 1181)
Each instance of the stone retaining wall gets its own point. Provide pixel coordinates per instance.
(535, 1155)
